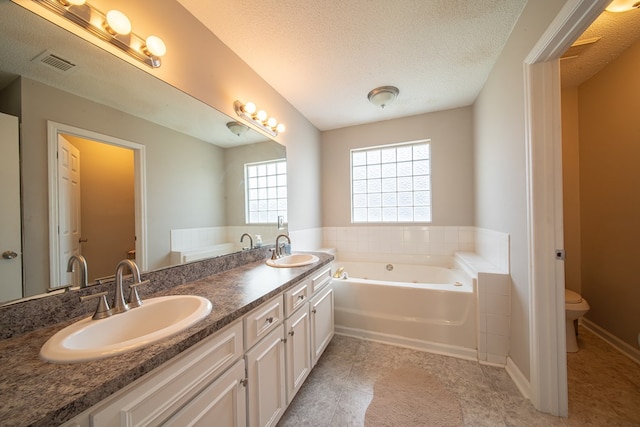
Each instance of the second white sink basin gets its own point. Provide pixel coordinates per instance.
(156, 319)
(293, 260)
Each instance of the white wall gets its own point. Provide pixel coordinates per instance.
(499, 163)
(450, 133)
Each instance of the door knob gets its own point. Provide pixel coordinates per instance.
(9, 255)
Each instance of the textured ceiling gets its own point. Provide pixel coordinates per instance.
(615, 31)
(325, 56)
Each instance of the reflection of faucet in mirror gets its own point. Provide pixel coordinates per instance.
(119, 305)
(250, 241)
(82, 263)
(277, 253)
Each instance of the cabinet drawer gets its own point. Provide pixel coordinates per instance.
(262, 320)
(153, 398)
(320, 280)
(296, 297)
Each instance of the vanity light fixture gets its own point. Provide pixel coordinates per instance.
(623, 5)
(383, 95)
(259, 118)
(237, 128)
(113, 27)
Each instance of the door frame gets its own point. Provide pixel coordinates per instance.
(543, 124)
(140, 191)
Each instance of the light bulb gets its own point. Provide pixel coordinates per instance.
(155, 46)
(117, 23)
(262, 115)
(623, 5)
(250, 108)
(281, 128)
(272, 122)
(72, 2)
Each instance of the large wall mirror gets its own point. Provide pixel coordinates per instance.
(161, 171)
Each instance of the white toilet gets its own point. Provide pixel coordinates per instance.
(575, 307)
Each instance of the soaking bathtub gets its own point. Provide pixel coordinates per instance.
(418, 306)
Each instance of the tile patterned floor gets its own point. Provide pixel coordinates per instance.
(340, 387)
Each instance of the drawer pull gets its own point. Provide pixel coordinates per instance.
(314, 311)
(300, 297)
(269, 319)
(291, 333)
(244, 382)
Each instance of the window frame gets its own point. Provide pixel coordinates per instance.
(247, 200)
(427, 186)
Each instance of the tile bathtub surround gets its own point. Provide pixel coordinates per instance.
(26, 316)
(340, 387)
(45, 394)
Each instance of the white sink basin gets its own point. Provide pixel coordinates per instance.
(293, 260)
(156, 319)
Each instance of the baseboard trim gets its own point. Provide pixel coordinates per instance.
(431, 347)
(518, 378)
(617, 343)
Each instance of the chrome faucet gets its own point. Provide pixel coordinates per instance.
(250, 240)
(119, 305)
(82, 264)
(278, 250)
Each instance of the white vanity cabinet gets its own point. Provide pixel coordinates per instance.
(322, 320)
(266, 380)
(178, 385)
(298, 349)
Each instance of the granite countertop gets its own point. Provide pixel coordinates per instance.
(38, 393)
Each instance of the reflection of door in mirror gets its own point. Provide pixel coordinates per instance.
(10, 236)
(69, 216)
(97, 219)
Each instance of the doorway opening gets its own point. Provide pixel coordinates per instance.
(96, 202)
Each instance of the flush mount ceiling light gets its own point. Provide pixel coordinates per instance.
(237, 128)
(113, 27)
(259, 118)
(383, 95)
(623, 5)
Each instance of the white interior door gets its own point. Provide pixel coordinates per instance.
(10, 230)
(69, 224)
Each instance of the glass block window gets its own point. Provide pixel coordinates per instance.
(266, 191)
(391, 183)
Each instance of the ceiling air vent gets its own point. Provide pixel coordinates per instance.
(51, 60)
(579, 47)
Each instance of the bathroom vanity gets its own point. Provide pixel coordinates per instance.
(241, 365)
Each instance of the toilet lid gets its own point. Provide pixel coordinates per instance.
(571, 297)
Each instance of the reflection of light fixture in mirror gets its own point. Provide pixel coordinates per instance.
(237, 128)
(623, 5)
(110, 27)
(383, 95)
(260, 118)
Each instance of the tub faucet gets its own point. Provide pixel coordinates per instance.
(82, 264)
(250, 240)
(119, 305)
(278, 250)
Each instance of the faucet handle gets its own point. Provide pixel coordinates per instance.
(134, 299)
(102, 310)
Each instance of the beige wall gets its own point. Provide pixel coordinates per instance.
(571, 189)
(183, 174)
(500, 160)
(450, 133)
(609, 195)
(107, 209)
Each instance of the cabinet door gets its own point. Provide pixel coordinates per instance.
(321, 322)
(298, 350)
(221, 404)
(266, 375)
